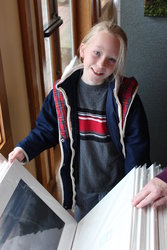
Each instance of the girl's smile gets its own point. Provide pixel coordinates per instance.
(97, 73)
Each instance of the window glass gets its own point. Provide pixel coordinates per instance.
(48, 69)
(117, 4)
(66, 40)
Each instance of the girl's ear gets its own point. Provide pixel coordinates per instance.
(81, 50)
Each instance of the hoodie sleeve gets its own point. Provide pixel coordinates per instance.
(163, 175)
(45, 134)
(137, 141)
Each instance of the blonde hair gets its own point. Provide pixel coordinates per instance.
(112, 28)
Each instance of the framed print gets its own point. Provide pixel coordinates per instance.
(155, 8)
(30, 218)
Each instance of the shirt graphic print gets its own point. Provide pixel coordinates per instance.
(93, 125)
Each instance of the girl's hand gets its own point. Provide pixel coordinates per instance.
(17, 153)
(154, 192)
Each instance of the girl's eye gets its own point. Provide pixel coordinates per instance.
(97, 53)
(112, 60)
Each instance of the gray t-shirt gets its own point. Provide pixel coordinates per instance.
(99, 161)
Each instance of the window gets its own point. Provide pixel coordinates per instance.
(66, 36)
(51, 22)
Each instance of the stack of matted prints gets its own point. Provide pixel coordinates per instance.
(149, 226)
(30, 218)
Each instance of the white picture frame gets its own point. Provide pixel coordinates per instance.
(14, 179)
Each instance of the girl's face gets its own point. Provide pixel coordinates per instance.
(99, 54)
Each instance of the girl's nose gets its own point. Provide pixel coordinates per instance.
(102, 62)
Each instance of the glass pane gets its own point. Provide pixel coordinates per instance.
(64, 11)
(117, 4)
(103, 2)
(48, 69)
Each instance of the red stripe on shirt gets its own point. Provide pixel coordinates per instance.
(89, 124)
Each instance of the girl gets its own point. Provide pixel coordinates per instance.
(97, 117)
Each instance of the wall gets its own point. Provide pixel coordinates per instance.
(14, 74)
(147, 61)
